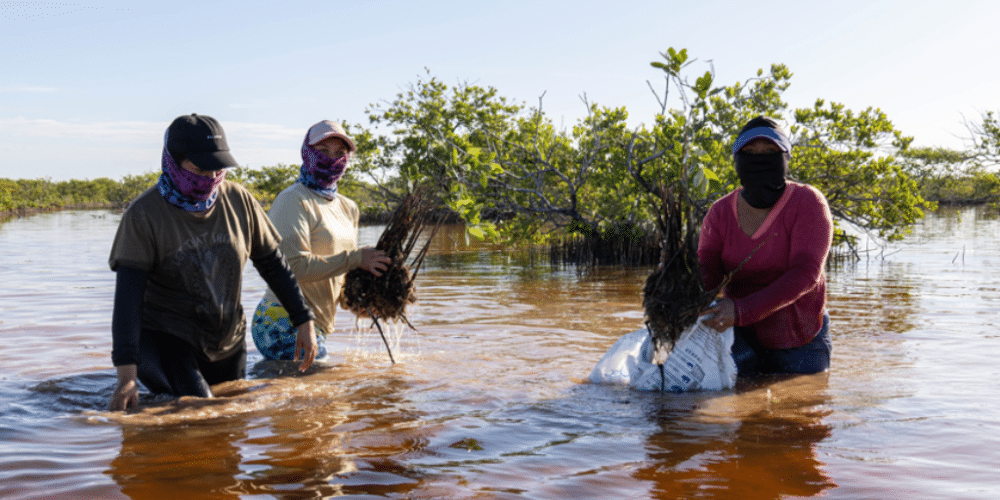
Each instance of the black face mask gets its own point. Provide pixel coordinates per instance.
(762, 177)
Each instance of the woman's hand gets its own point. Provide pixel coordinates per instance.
(721, 315)
(374, 261)
(127, 391)
(305, 345)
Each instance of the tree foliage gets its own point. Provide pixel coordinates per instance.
(985, 138)
(606, 178)
(966, 177)
(971, 176)
(854, 158)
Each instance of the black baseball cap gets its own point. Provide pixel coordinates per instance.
(201, 140)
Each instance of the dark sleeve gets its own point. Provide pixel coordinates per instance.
(278, 275)
(126, 319)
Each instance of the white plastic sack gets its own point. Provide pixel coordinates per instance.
(700, 360)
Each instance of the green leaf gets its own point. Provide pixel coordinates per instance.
(699, 179)
(477, 232)
(710, 174)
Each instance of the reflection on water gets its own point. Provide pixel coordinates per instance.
(488, 400)
(260, 438)
(760, 441)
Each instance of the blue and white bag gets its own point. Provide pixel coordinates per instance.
(700, 361)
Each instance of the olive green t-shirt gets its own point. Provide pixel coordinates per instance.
(194, 262)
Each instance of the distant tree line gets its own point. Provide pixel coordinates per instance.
(22, 196)
(19, 196)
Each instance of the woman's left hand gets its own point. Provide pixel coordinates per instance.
(721, 315)
(305, 345)
(374, 261)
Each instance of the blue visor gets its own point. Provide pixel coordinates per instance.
(767, 132)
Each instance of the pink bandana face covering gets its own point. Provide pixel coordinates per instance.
(319, 172)
(185, 189)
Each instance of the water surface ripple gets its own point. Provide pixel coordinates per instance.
(488, 398)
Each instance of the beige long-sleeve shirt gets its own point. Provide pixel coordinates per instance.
(319, 239)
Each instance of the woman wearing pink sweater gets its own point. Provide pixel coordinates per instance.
(776, 302)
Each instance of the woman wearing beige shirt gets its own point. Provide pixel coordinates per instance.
(319, 239)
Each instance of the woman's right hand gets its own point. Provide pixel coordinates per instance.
(720, 315)
(374, 261)
(306, 346)
(127, 391)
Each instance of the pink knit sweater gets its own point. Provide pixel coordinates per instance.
(781, 291)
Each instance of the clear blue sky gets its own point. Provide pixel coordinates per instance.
(87, 89)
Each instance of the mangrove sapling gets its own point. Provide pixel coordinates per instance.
(385, 297)
(674, 294)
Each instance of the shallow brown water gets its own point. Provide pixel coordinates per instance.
(488, 399)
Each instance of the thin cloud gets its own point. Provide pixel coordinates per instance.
(246, 132)
(243, 134)
(134, 146)
(25, 88)
(127, 131)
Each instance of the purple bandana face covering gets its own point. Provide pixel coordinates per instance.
(187, 190)
(319, 172)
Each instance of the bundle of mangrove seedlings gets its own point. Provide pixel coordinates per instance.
(385, 297)
(674, 293)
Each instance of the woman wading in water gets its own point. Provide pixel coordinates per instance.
(178, 326)
(776, 302)
(319, 237)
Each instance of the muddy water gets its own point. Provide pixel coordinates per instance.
(488, 399)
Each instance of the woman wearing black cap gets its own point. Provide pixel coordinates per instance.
(776, 302)
(178, 326)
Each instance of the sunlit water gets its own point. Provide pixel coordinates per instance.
(488, 398)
